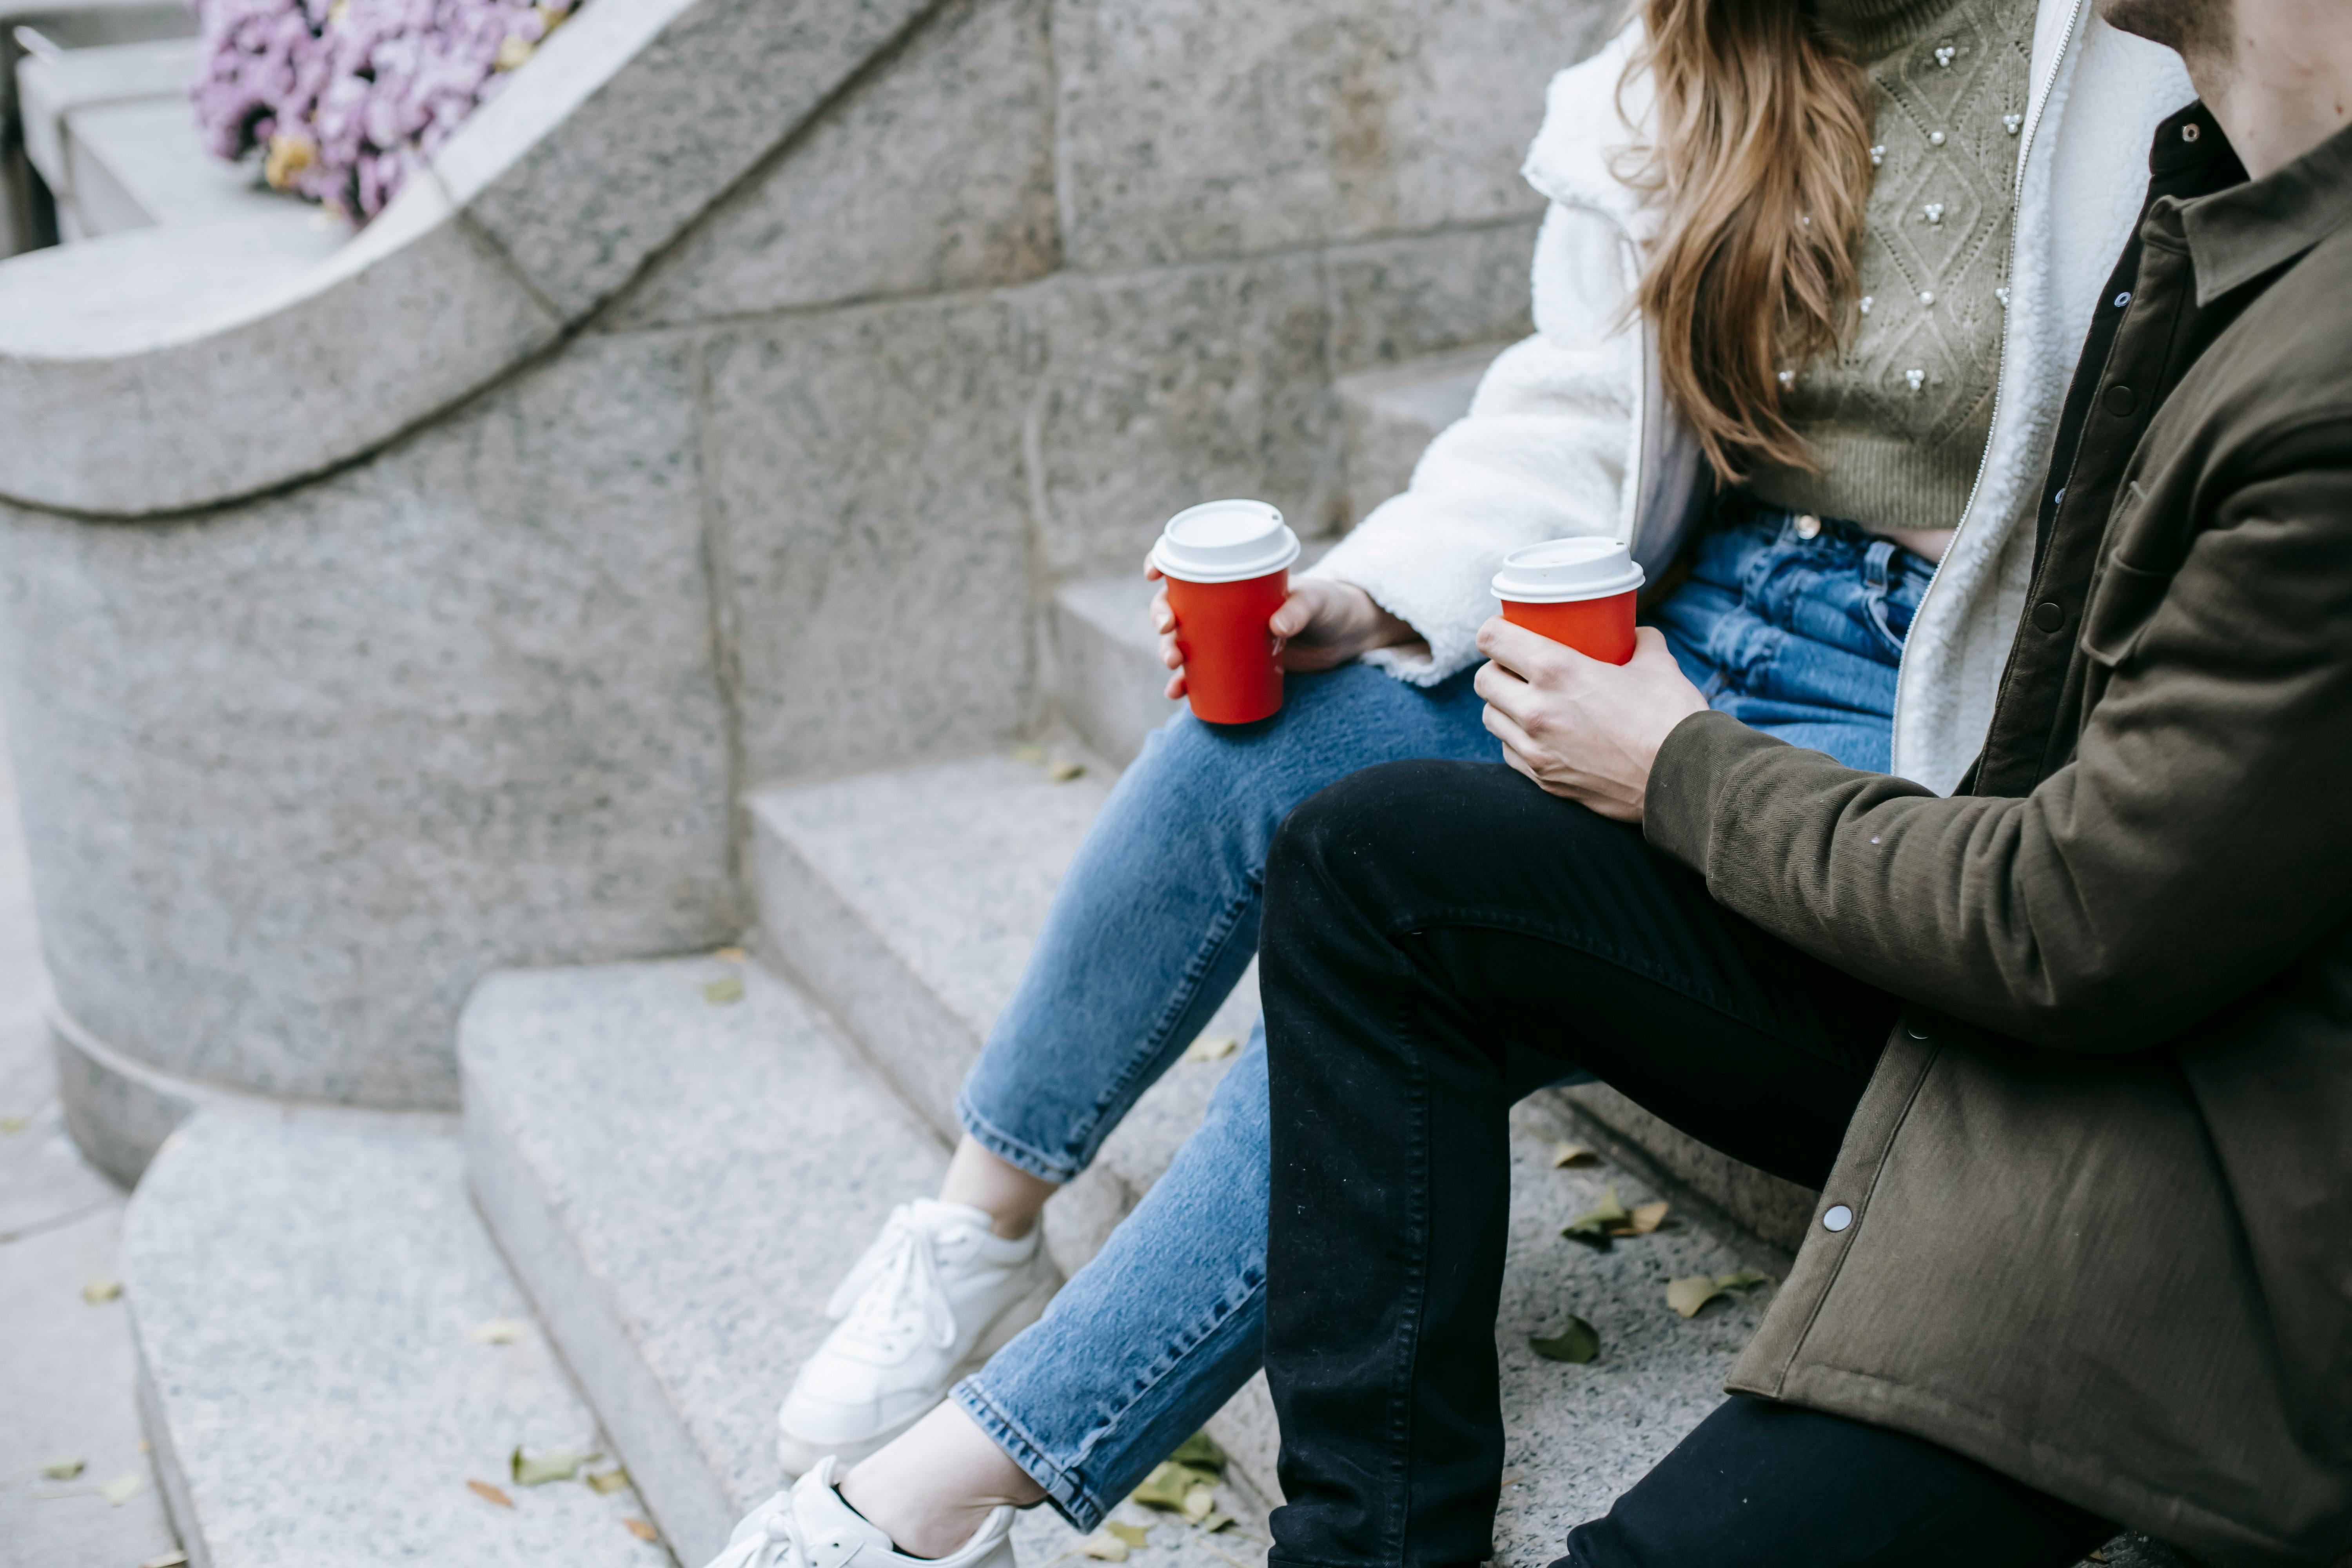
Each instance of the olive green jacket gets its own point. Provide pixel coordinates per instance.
(2094, 1215)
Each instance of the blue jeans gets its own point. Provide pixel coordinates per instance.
(1159, 916)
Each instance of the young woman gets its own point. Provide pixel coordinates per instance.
(1803, 315)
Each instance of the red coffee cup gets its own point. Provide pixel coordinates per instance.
(1577, 592)
(1228, 568)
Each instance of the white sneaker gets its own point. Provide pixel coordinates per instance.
(811, 1527)
(935, 1296)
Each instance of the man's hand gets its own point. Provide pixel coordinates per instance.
(1321, 625)
(1585, 730)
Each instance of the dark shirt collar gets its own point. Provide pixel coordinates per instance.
(2252, 227)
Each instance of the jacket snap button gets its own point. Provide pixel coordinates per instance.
(2049, 615)
(1808, 526)
(1837, 1216)
(2120, 400)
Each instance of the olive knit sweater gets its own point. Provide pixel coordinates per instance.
(1899, 416)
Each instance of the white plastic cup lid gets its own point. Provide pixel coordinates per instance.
(1224, 542)
(1561, 571)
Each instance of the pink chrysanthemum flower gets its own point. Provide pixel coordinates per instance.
(345, 98)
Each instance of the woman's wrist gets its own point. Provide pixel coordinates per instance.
(1373, 626)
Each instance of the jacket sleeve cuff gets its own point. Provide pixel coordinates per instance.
(1687, 779)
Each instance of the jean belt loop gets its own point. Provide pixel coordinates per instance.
(1875, 561)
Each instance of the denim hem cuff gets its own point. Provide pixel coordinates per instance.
(1071, 1497)
(1010, 1150)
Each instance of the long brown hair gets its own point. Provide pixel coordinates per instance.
(1762, 155)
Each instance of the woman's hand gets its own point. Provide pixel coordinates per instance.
(1321, 625)
(1584, 730)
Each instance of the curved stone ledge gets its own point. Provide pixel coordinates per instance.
(296, 773)
(172, 370)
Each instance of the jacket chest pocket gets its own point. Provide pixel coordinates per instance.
(2121, 607)
(2125, 596)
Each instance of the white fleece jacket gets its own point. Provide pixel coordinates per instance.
(1569, 434)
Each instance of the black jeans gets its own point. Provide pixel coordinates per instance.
(1425, 922)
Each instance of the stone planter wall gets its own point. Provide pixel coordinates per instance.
(726, 409)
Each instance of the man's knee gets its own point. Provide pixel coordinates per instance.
(1398, 831)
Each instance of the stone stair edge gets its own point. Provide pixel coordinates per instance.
(254, 1261)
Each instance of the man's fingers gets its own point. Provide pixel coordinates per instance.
(1169, 654)
(1508, 694)
(1516, 740)
(1527, 654)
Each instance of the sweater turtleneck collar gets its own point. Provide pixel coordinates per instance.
(1870, 30)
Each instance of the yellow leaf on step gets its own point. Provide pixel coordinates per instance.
(489, 1493)
(1104, 1548)
(1567, 1155)
(641, 1530)
(1212, 1048)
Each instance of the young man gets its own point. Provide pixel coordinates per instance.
(2069, 1053)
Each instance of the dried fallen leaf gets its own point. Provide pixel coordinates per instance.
(1033, 755)
(1565, 1155)
(1169, 1483)
(725, 989)
(169, 1560)
(1596, 1224)
(1104, 1548)
(64, 1469)
(1611, 1220)
(122, 1489)
(2097, 1555)
(98, 1292)
(1201, 1451)
(15, 1123)
(538, 1469)
(641, 1530)
(1687, 1295)
(1061, 770)
(1133, 1535)
(498, 1331)
(608, 1482)
(489, 1493)
(728, 954)
(1646, 1218)
(1212, 1048)
(1577, 1342)
(1218, 1520)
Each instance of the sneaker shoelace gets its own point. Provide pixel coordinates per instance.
(896, 1289)
(777, 1543)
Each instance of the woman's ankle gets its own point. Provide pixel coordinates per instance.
(932, 1486)
(1008, 1196)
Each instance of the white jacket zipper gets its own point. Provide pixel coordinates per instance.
(2000, 365)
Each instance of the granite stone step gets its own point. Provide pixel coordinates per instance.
(679, 1183)
(330, 1348)
(1390, 416)
(907, 902)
